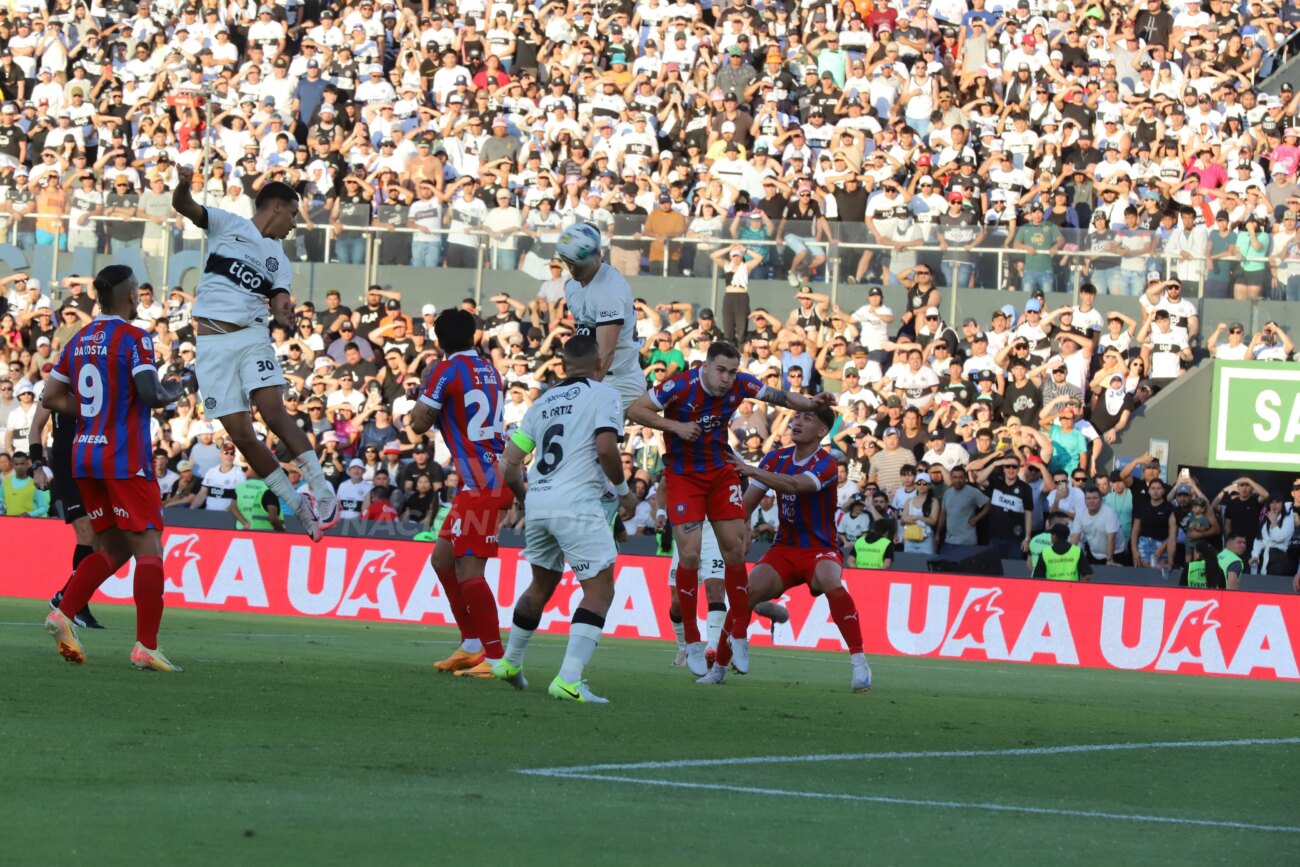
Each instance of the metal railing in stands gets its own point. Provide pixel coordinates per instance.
(993, 266)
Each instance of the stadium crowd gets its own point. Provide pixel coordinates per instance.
(768, 140)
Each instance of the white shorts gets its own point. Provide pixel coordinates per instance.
(231, 366)
(580, 536)
(711, 564)
(629, 388)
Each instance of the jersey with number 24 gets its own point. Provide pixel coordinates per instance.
(465, 391)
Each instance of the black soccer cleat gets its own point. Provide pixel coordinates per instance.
(86, 620)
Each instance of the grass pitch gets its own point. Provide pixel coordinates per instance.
(299, 741)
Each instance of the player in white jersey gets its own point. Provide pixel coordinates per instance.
(245, 283)
(574, 428)
(600, 301)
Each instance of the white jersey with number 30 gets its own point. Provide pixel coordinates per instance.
(561, 427)
(243, 271)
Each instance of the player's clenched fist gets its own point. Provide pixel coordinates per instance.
(686, 430)
(824, 398)
(184, 175)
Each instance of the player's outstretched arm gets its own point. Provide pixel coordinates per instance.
(647, 413)
(795, 401)
(804, 483)
(153, 391)
(183, 199)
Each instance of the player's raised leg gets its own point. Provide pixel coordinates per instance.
(734, 647)
(245, 283)
(764, 583)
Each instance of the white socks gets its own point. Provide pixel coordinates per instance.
(312, 471)
(280, 485)
(713, 628)
(471, 645)
(516, 645)
(680, 631)
(582, 644)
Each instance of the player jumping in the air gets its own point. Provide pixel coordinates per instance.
(694, 409)
(106, 378)
(465, 399)
(574, 429)
(54, 471)
(599, 299)
(804, 478)
(246, 270)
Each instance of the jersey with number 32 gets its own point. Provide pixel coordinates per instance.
(465, 391)
(113, 430)
(562, 426)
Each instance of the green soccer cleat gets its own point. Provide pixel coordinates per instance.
(504, 669)
(574, 692)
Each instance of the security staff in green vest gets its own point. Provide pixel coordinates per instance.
(19, 494)
(1062, 561)
(1039, 543)
(255, 506)
(1231, 560)
(875, 548)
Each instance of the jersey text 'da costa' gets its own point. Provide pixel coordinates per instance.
(112, 439)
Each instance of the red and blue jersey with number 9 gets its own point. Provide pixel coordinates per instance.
(684, 398)
(465, 391)
(113, 427)
(807, 520)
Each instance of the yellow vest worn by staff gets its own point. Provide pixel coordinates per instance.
(870, 555)
(1062, 567)
(20, 496)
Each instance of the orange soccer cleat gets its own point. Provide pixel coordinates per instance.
(459, 660)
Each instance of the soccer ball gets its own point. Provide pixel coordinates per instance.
(579, 245)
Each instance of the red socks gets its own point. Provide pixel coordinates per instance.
(93, 571)
(736, 580)
(481, 610)
(455, 599)
(846, 617)
(148, 600)
(688, 599)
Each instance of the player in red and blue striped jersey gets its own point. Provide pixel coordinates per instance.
(107, 379)
(694, 410)
(464, 397)
(804, 477)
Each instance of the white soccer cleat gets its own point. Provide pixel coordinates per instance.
(695, 660)
(306, 515)
(740, 655)
(861, 676)
(328, 509)
(716, 675)
(680, 659)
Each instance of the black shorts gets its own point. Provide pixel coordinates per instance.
(65, 498)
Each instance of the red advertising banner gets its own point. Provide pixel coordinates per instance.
(903, 613)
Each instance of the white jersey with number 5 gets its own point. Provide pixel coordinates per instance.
(243, 271)
(561, 427)
(607, 300)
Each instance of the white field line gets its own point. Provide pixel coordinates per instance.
(602, 773)
(913, 802)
